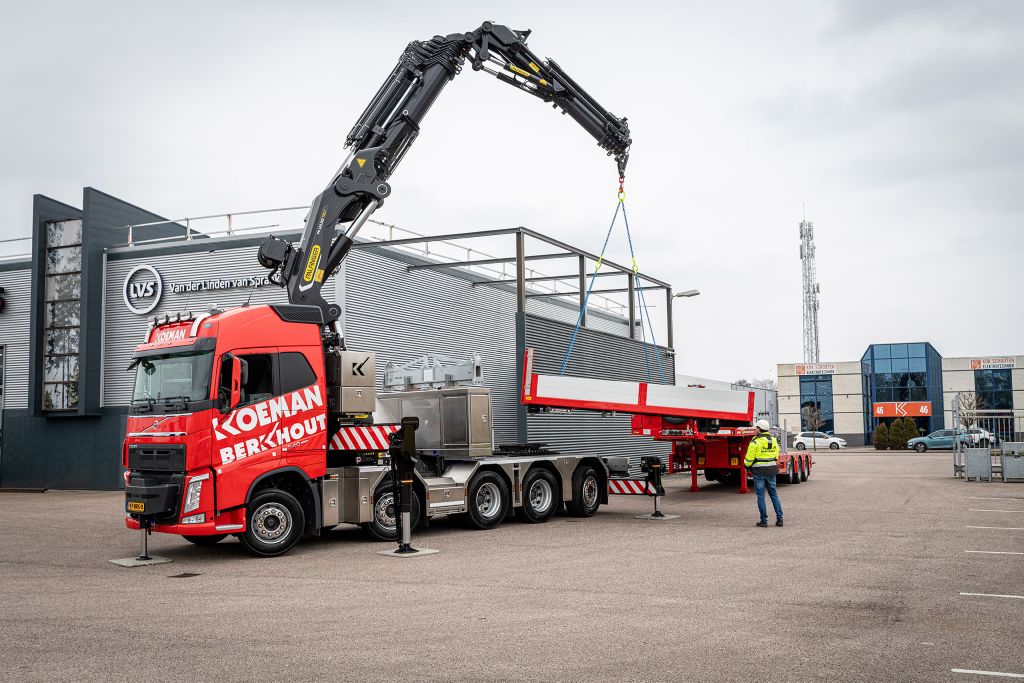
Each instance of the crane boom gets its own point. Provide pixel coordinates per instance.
(390, 124)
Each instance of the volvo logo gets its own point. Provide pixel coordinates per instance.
(142, 289)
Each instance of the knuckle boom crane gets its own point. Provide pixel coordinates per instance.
(389, 126)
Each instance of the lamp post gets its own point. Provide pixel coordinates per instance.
(668, 313)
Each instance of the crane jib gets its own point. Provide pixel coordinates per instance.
(390, 124)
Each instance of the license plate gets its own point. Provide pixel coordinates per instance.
(136, 507)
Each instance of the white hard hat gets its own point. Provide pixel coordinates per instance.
(762, 424)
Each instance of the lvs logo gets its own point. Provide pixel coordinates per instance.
(142, 289)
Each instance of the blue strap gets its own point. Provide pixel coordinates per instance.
(643, 303)
(590, 287)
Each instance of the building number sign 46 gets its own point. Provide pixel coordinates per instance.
(903, 409)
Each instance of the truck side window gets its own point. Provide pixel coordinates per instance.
(260, 384)
(295, 371)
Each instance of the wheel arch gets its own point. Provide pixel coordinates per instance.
(294, 481)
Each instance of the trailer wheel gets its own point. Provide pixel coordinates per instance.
(206, 540)
(796, 471)
(487, 502)
(586, 492)
(540, 496)
(791, 471)
(803, 470)
(807, 469)
(384, 525)
(275, 523)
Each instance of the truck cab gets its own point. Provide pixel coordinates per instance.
(222, 400)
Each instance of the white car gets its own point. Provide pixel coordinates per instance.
(814, 440)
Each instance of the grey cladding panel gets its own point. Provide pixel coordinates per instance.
(14, 336)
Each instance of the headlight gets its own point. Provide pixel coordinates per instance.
(195, 488)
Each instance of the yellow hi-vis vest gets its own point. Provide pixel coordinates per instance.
(763, 450)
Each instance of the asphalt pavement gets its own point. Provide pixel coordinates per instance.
(887, 569)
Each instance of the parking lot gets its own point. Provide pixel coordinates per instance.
(887, 569)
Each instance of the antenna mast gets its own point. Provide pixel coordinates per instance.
(811, 291)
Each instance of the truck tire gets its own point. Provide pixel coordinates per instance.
(274, 523)
(789, 471)
(540, 496)
(807, 469)
(206, 540)
(804, 473)
(586, 492)
(488, 500)
(796, 471)
(710, 475)
(384, 525)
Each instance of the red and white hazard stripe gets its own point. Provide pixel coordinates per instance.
(630, 487)
(368, 438)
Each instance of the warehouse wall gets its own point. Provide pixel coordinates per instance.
(14, 321)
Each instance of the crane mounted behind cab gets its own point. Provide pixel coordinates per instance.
(390, 125)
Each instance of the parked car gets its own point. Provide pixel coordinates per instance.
(940, 439)
(814, 440)
(980, 438)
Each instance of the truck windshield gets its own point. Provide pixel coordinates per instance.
(174, 375)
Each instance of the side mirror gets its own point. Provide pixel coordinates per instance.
(236, 383)
(234, 373)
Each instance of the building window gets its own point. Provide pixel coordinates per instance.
(62, 320)
(994, 389)
(816, 401)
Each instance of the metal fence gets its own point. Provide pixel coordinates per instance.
(987, 443)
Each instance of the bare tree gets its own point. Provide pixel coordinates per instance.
(970, 404)
(813, 419)
(742, 383)
(768, 383)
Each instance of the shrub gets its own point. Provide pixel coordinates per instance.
(910, 429)
(880, 438)
(897, 436)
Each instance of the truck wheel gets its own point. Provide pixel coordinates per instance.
(487, 502)
(206, 540)
(540, 496)
(804, 470)
(586, 492)
(796, 471)
(384, 526)
(711, 475)
(789, 471)
(274, 523)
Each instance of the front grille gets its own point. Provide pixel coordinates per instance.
(156, 457)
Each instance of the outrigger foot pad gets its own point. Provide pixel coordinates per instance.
(412, 552)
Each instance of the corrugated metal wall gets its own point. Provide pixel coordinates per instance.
(595, 355)
(14, 327)
(397, 313)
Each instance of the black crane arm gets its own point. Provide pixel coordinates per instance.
(390, 124)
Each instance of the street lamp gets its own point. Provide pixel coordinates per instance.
(687, 294)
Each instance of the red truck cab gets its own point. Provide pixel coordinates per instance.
(223, 400)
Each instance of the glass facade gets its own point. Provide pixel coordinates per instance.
(994, 389)
(816, 413)
(62, 319)
(899, 373)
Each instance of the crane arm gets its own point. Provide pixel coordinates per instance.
(390, 124)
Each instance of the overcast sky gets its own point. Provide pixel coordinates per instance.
(900, 125)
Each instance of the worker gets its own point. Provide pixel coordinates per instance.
(763, 462)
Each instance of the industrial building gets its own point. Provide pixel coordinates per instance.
(75, 308)
(913, 380)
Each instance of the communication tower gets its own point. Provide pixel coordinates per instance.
(811, 291)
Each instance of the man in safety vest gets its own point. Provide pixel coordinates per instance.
(763, 462)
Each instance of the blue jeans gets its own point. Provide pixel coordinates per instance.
(761, 482)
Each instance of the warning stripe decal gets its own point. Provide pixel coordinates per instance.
(630, 487)
(368, 438)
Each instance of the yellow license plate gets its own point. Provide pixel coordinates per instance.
(136, 507)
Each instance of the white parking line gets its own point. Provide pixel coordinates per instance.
(994, 552)
(992, 595)
(977, 510)
(1003, 528)
(976, 672)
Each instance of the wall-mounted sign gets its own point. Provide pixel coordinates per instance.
(142, 289)
(816, 369)
(995, 363)
(216, 284)
(903, 409)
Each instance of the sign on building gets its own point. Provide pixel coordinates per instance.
(816, 369)
(994, 363)
(903, 409)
